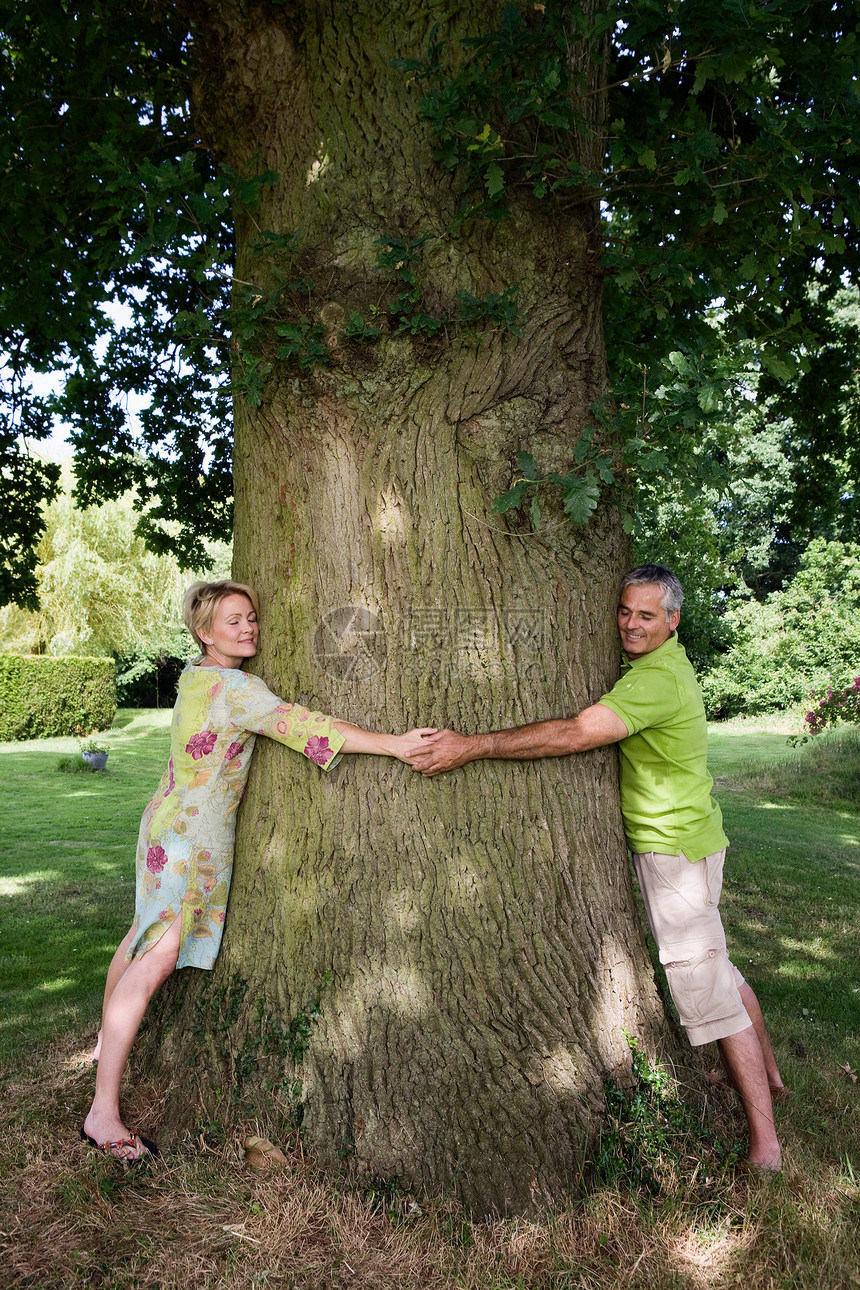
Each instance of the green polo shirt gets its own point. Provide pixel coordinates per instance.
(665, 786)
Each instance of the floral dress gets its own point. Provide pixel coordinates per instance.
(185, 849)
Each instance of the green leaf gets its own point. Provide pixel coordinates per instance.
(779, 365)
(708, 398)
(513, 497)
(495, 180)
(580, 499)
(681, 363)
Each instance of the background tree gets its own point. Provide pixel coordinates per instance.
(101, 591)
(789, 457)
(799, 639)
(414, 325)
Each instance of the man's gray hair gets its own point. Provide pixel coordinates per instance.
(657, 575)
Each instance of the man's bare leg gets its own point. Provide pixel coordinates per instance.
(778, 1090)
(774, 1079)
(744, 1062)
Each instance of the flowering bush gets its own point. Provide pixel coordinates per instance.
(836, 705)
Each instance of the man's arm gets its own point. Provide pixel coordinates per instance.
(593, 728)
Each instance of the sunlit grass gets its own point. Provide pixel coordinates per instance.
(203, 1218)
(67, 872)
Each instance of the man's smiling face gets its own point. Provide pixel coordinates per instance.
(642, 622)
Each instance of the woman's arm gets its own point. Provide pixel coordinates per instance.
(356, 740)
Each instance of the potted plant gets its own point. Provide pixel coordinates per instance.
(95, 752)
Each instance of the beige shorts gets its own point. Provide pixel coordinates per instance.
(682, 901)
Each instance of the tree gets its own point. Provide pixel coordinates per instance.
(791, 478)
(414, 326)
(802, 638)
(102, 592)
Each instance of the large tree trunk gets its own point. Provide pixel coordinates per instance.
(472, 940)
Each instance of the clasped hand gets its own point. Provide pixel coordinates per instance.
(438, 751)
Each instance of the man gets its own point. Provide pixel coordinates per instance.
(674, 829)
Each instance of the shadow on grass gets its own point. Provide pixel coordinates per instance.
(203, 1217)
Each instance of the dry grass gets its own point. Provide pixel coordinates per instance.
(202, 1218)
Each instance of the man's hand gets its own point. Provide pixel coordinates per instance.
(593, 728)
(444, 750)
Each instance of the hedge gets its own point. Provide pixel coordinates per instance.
(42, 697)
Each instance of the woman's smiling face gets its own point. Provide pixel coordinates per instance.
(233, 633)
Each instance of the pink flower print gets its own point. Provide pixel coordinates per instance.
(201, 744)
(219, 917)
(164, 913)
(285, 707)
(234, 750)
(156, 859)
(197, 913)
(317, 749)
(171, 782)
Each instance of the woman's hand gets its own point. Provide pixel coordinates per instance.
(408, 745)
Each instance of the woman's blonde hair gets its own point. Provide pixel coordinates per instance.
(202, 600)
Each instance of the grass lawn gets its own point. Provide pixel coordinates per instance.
(203, 1218)
(791, 904)
(67, 874)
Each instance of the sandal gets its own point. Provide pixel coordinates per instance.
(135, 1141)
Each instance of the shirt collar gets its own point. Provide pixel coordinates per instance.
(667, 647)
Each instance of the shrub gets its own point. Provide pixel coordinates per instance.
(802, 638)
(42, 697)
(834, 707)
(148, 679)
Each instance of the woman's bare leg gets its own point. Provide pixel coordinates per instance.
(116, 971)
(123, 1014)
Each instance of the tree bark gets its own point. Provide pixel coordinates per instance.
(472, 940)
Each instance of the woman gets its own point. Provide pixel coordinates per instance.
(185, 848)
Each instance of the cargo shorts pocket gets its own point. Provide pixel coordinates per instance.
(704, 989)
(710, 874)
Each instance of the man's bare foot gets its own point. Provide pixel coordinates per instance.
(762, 1168)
